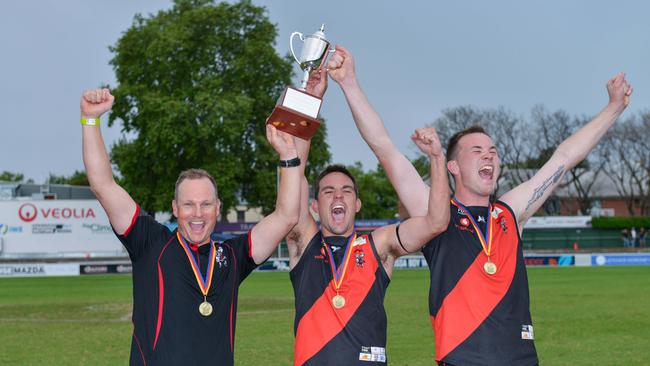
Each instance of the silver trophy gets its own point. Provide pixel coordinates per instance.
(314, 51)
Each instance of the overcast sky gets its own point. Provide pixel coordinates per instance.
(414, 58)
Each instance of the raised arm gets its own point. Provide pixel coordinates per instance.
(306, 227)
(529, 196)
(268, 233)
(415, 232)
(412, 191)
(117, 203)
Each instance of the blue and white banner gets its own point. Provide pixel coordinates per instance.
(618, 259)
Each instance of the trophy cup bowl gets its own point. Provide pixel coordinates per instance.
(314, 52)
(297, 111)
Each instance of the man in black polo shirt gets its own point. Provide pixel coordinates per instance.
(478, 297)
(185, 285)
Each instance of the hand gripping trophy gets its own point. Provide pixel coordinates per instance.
(297, 111)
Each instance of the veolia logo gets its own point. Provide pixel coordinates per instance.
(27, 212)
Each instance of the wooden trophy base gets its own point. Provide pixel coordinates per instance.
(296, 113)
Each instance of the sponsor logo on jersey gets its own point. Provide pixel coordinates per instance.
(220, 258)
(321, 256)
(504, 227)
(496, 212)
(527, 332)
(359, 241)
(372, 354)
(358, 257)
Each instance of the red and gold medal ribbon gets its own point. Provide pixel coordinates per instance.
(203, 281)
(484, 238)
(338, 274)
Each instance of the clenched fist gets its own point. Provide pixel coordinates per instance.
(341, 66)
(95, 102)
(428, 141)
(619, 90)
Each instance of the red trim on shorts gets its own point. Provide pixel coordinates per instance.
(135, 216)
(161, 294)
(137, 342)
(477, 293)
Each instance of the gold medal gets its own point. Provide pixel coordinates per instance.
(338, 301)
(485, 238)
(490, 268)
(205, 308)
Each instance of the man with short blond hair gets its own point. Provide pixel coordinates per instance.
(185, 285)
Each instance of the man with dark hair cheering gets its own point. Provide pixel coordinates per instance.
(185, 285)
(478, 298)
(340, 276)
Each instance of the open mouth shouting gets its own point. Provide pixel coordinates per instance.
(337, 213)
(486, 172)
(197, 227)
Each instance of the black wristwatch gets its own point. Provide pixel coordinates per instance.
(289, 163)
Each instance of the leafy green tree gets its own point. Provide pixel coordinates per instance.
(7, 176)
(422, 165)
(195, 85)
(378, 198)
(78, 178)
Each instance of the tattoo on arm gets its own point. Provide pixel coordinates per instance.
(539, 191)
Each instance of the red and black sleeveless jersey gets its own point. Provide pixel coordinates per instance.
(354, 334)
(478, 318)
(168, 328)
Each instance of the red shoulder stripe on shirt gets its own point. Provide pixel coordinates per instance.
(477, 293)
(250, 243)
(135, 216)
(322, 322)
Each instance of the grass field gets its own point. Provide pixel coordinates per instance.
(582, 316)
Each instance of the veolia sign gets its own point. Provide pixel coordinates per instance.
(56, 227)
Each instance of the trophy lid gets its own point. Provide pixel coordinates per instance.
(320, 33)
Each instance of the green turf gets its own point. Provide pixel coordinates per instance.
(582, 316)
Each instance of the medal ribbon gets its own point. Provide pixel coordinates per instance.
(203, 281)
(484, 238)
(339, 273)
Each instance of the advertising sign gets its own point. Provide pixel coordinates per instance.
(632, 259)
(556, 222)
(38, 269)
(56, 226)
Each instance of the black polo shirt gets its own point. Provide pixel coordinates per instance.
(168, 328)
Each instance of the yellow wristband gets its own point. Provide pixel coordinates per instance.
(90, 121)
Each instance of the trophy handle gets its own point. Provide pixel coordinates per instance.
(302, 38)
(330, 52)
